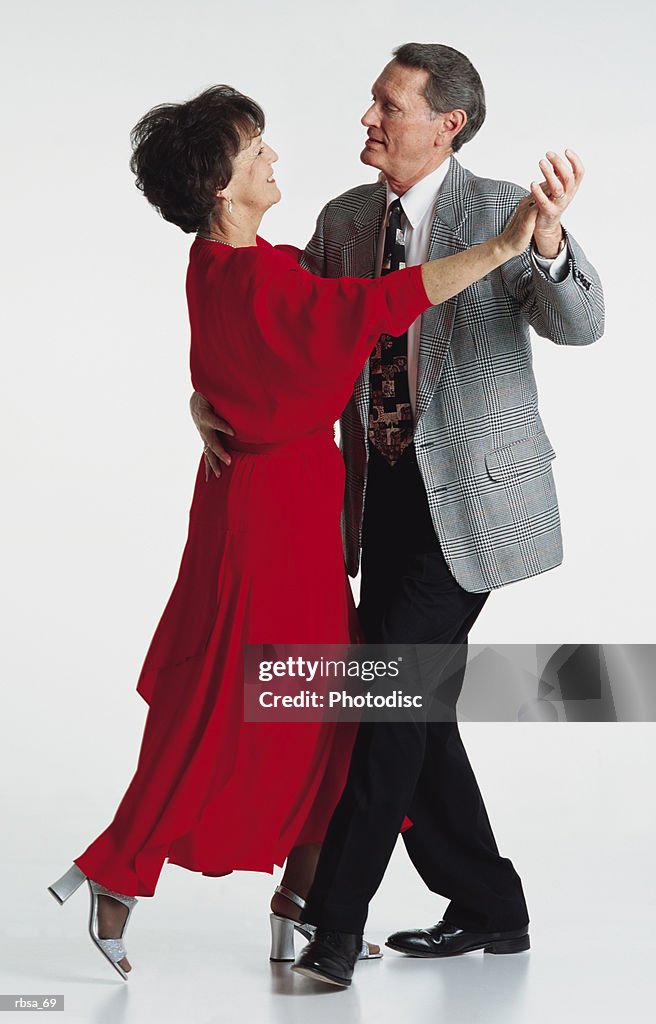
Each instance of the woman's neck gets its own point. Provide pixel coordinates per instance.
(236, 231)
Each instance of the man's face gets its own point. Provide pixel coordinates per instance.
(404, 139)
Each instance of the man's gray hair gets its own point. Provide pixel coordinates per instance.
(453, 84)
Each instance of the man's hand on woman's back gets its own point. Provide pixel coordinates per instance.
(210, 426)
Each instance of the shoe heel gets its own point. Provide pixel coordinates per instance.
(282, 938)
(69, 883)
(509, 945)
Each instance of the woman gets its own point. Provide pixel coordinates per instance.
(278, 350)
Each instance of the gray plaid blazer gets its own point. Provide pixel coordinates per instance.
(481, 446)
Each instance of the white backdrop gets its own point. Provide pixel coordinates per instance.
(99, 453)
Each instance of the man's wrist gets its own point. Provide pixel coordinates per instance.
(549, 246)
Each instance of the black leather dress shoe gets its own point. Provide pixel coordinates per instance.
(445, 939)
(330, 957)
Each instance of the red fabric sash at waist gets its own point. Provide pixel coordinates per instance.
(294, 444)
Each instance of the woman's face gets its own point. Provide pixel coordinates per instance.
(252, 184)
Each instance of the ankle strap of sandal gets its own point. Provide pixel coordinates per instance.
(284, 891)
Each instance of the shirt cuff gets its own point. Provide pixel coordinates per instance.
(557, 268)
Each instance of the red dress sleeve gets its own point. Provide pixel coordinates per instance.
(329, 326)
(276, 349)
(291, 250)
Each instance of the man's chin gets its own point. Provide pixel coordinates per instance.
(371, 158)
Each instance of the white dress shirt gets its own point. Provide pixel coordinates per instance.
(417, 204)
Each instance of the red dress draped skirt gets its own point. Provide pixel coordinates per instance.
(211, 792)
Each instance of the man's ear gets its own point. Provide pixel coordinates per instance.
(452, 124)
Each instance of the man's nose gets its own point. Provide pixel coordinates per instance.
(370, 118)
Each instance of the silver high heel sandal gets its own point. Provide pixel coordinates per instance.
(283, 928)
(113, 949)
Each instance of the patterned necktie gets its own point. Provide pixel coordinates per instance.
(390, 412)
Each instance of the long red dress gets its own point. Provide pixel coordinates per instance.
(277, 350)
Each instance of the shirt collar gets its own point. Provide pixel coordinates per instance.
(419, 199)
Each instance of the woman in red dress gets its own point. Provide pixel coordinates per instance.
(278, 350)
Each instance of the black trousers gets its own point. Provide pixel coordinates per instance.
(418, 768)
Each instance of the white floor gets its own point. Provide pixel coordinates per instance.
(199, 953)
(572, 805)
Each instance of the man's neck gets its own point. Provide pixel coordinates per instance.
(399, 188)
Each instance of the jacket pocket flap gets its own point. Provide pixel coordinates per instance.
(520, 458)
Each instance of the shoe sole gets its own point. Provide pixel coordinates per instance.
(501, 946)
(116, 966)
(308, 972)
(290, 959)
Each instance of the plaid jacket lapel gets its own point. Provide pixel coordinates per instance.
(359, 260)
(448, 214)
(359, 248)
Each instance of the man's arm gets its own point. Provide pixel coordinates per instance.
(568, 312)
(567, 308)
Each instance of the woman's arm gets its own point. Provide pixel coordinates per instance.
(441, 279)
(291, 250)
(445, 277)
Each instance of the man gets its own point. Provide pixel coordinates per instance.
(449, 493)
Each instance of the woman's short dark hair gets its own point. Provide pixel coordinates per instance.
(453, 84)
(182, 153)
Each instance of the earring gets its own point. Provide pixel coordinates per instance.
(229, 205)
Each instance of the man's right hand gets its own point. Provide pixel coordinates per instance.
(209, 426)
